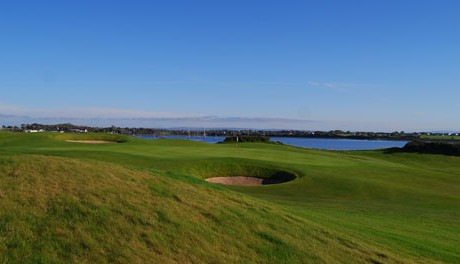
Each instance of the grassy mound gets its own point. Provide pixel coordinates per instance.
(435, 147)
(57, 210)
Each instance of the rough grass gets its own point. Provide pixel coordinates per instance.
(60, 209)
(145, 201)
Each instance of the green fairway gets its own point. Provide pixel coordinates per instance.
(146, 201)
(441, 138)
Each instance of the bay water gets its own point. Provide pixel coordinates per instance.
(317, 143)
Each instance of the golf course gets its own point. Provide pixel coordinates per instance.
(103, 198)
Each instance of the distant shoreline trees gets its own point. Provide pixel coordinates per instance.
(140, 131)
(246, 139)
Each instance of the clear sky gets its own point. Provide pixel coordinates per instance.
(353, 65)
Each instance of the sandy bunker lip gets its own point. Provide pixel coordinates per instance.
(92, 141)
(248, 181)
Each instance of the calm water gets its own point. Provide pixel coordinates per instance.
(318, 143)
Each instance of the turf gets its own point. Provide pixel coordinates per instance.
(442, 138)
(146, 201)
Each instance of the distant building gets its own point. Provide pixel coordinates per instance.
(77, 130)
(33, 130)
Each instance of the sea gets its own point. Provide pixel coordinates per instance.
(316, 143)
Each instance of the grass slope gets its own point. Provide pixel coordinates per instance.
(145, 201)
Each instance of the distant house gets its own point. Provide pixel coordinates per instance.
(77, 130)
(33, 130)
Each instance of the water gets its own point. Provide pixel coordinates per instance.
(340, 144)
(317, 143)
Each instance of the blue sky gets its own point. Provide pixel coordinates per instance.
(352, 65)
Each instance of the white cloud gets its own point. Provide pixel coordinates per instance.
(7, 109)
(85, 112)
(102, 117)
(99, 116)
(340, 86)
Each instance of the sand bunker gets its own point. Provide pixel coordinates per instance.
(245, 181)
(91, 141)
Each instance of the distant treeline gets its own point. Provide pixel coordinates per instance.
(397, 135)
(246, 139)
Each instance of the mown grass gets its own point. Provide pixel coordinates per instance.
(146, 201)
(432, 137)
